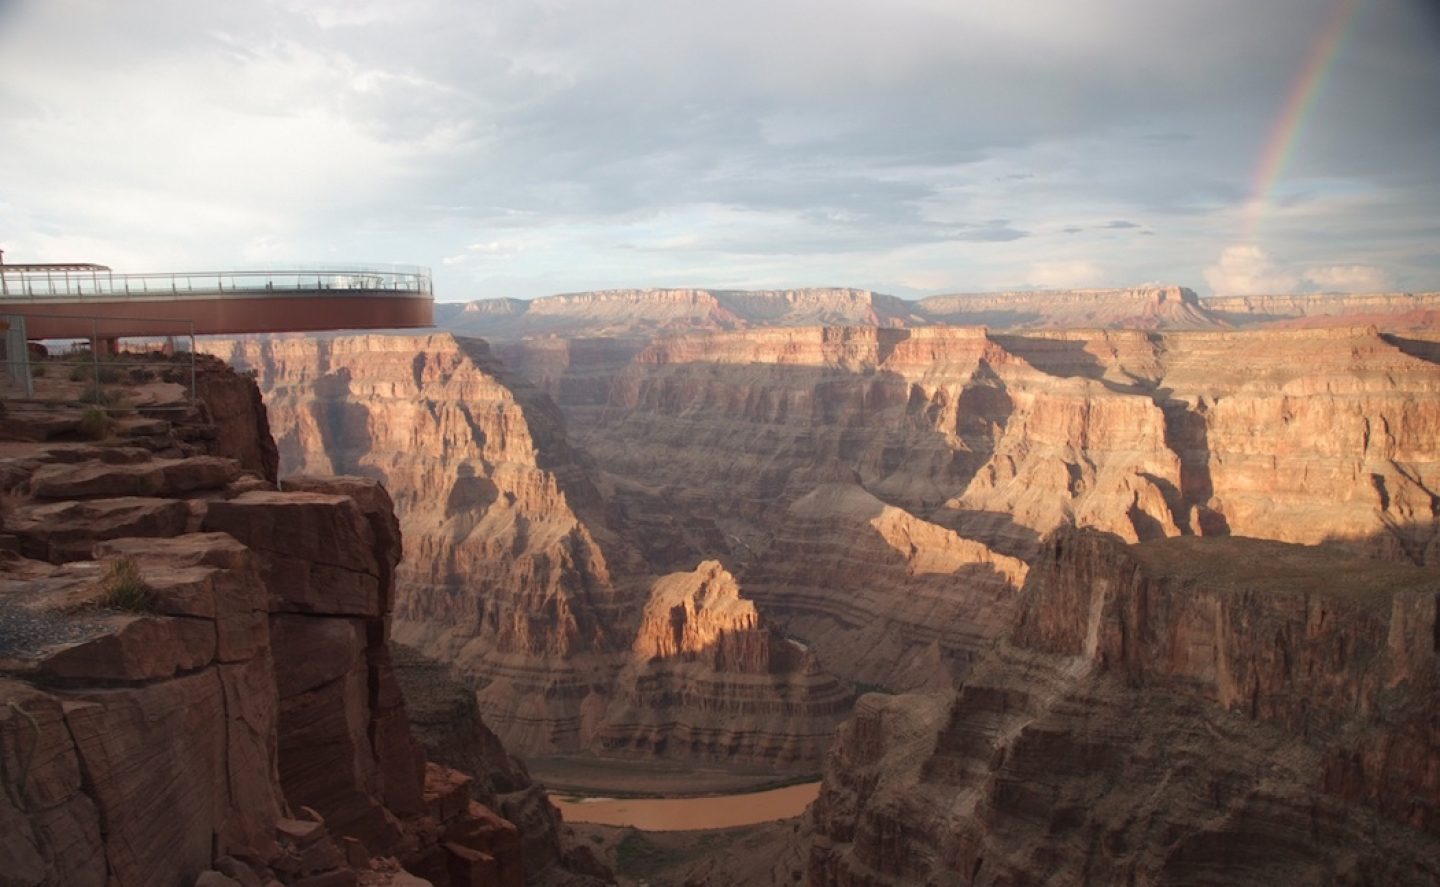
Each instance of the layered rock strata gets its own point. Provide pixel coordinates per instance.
(642, 313)
(1178, 711)
(737, 426)
(503, 577)
(1324, 433)
(1373, 307)
(1159, 307)
(516, 571)
(709, 679)
(883, 597)
(213, 695)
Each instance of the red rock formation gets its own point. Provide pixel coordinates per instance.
(240, 712)
(1116, 733)
(1151, 307)
(709, 679)
(1323, 434)
(1373, 307)
(641, 313)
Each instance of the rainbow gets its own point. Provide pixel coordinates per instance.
(1299, 101)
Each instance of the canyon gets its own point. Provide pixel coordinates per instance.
(1133, 590)
(882, 485)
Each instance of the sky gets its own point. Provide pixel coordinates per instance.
(527, 147)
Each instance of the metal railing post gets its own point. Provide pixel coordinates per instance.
(95, 360)
(192, 361)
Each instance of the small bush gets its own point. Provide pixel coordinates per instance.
(37, 371)
(109, 375)
(125, 590)
(81, 374)
(94, 424)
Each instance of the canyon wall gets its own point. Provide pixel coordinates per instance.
(1405, 308)
(643, 313)
(640, 315)
(829, 467)
(1152, 307)
(516, 572)
(1303, 435)
(1178, 711)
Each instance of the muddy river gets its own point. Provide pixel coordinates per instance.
(682, 814)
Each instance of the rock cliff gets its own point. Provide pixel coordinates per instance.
(884, 598)
(1301, 435)
(639, 315)
(212, 694)
(875, 491)
(504, 579)
(642, 313)
(516, 569)
(1180, 711)
(708, 676)
(1405, 308)
(1156, 307)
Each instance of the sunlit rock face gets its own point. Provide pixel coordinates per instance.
(709, 676)
(1298, 435)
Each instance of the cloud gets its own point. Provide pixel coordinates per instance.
(636, 139)
(1349, 279)
(1249, 270)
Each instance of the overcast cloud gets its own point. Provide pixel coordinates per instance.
(910, 146)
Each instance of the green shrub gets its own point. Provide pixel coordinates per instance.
(108, 375)
(94, 424)
(37, 371)
(125, 590)
(81, 374)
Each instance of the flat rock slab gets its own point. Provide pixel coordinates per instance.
(160, 477)
(68, 530)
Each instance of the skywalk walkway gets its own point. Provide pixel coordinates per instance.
(91, 301)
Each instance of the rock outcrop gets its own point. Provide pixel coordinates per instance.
(1178, 711)
(211, 695)
(709, 678)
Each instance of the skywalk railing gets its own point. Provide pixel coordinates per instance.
(154, 373)
(390, 280)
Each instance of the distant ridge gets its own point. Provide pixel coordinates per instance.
(640, 314)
